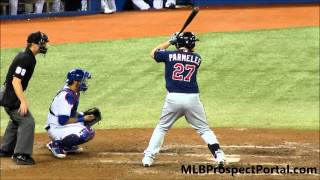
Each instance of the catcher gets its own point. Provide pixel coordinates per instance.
(66, 127)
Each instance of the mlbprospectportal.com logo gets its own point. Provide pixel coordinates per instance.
(255, 169)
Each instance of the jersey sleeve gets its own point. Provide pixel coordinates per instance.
(161, 55)
(20, 69)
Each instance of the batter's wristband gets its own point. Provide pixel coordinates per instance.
(80, 118)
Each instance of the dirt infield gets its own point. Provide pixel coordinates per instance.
(116, 154)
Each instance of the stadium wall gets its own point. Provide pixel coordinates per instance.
(95, 6)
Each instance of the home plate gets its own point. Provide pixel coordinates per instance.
(232, 158)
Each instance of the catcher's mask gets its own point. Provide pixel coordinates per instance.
(187, 40)
(78, 75)
(39, 38)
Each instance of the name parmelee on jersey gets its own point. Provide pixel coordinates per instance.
(184, 57)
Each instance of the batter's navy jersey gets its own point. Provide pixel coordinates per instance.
(181, 69)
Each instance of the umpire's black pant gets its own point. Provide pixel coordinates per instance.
(19, 134)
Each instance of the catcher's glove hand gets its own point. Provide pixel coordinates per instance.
(97, 116)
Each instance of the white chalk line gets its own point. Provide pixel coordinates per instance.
(229, 158)
(199, 155)
(111, 161)
(230, 146)
(167, 154)
(260, 147)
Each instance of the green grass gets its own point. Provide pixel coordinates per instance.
(255, 79)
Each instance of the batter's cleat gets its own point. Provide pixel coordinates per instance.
(5, 153)
(147, 161)
(220, 159)
(220, 164)
(23, 159)
(73, 149)
(57, 151)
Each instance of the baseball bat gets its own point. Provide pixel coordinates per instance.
(194, 12)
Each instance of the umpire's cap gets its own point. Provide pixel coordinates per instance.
(37, 38)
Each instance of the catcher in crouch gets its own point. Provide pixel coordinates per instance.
(67, 127)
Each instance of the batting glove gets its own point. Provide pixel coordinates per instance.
(173, 39)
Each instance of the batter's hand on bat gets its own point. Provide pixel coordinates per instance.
(173, 39)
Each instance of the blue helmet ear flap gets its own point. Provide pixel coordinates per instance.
(87, 75)
(84, 86)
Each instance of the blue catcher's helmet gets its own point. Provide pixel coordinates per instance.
(78, 74)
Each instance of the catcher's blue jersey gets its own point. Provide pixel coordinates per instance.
(181, 69)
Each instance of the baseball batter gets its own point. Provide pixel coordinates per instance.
(65, 125)
(181, 67)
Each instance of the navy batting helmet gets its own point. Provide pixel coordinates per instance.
(81, 75)
(187, 40)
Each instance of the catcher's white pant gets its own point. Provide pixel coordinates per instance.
(59, 132)
(158, 4)
(177, 105)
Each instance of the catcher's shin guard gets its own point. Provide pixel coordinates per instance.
(74, 140)
(71, 140)
(86, 135)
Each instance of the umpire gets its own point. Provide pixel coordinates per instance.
(19, 135)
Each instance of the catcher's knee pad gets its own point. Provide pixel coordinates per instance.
(86, 134)
(71, 140)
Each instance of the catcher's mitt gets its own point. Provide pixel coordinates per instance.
(97, 116)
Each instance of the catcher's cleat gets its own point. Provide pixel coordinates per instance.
(57, 151)
(73, 149)
(147, 161)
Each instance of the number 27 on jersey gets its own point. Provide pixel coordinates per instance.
(179, 69)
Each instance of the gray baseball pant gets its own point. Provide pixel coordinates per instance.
(19, 134)
(177, 105)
